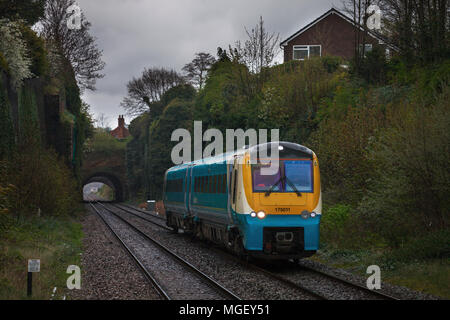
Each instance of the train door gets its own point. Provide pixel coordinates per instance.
(186, 192)
(190, 173)
(234, 184)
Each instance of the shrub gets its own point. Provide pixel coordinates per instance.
(334, 223)
(15, 52)
(341, 142)
(408, 196)
(374, 67)
(104, 144)
(41, 181)
(435, 245)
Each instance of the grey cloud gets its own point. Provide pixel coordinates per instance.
(135, 34)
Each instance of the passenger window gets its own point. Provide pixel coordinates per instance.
(210, 184)
(205, 184)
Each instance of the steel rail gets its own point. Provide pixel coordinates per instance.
(141, 211)
(276, 276)
(140, 217)
(269, 274)
(143, 269)
(349, 283)
(212, 283)
(251, 266)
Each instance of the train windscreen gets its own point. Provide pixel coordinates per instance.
(292, 176)
(299, 174)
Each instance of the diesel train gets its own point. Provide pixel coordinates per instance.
(228, 200)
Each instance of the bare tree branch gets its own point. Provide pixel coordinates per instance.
(149, 88)
(77, 46)
(259, 51)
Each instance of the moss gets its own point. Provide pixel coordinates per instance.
(68, 118)
(6, 126)
(3, 63)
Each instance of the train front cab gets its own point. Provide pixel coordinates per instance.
(283, 223)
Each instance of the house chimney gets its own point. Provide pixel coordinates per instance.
(121, 122)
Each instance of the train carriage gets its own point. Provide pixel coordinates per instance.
(228, 200)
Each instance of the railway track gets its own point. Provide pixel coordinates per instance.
(132, 211)
(287, 279)
(149, 213)
(291, 278)
(135, 259)
(375, 293)
(273, 276)
(177, 279)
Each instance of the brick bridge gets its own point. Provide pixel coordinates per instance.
(107, 169)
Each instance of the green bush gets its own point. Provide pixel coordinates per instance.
(103, 143)
(435, 245)
(336, 217)
(408, 195)
(42, 184)
(374, 67)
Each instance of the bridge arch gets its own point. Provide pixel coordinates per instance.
(111, 180)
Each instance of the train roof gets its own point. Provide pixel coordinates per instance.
(289, 150)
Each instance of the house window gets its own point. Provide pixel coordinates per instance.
(305, 52)
(301, 52)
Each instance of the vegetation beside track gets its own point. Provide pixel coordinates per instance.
(57, 242)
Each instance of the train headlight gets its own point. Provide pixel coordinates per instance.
(261, 215)
(305, 214)
(313, 214)
(253, 214)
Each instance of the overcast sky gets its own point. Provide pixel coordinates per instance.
(135, 34)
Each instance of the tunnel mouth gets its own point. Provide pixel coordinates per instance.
(98, 191)
(106, 181)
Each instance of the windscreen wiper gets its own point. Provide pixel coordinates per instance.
(286, 180)
(292, 186)
(273, 187)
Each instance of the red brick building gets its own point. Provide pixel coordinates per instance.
(121, 132)
(333, 34)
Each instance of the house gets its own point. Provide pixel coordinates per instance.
(333, 34)
(121, 132)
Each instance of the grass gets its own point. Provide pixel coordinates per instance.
(430, 276)
(57, 242)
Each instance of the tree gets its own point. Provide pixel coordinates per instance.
(29, 11)
(102, 121)
(14, 51)
(359, 11)
(197, 70)
(259, 51)
(420, 29)
(76, 46)
(149, 89)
